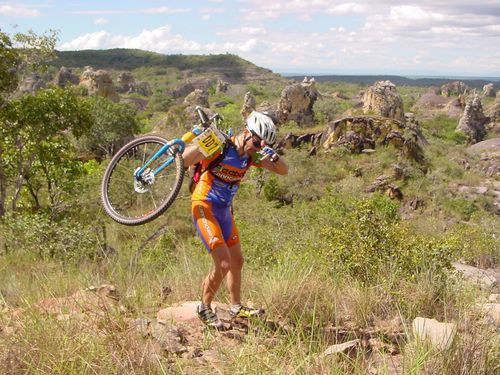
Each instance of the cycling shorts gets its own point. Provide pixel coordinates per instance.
(215, 224)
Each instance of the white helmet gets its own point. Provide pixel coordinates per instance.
(262, 126)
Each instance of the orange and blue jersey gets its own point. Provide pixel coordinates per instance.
(220, 184)
(213, 195)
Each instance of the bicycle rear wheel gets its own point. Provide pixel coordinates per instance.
(132, 201)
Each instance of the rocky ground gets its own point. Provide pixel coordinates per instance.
(174, 332)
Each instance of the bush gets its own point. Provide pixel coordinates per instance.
(47, 239)
(368, 240)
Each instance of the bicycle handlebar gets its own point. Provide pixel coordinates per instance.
(205, 120)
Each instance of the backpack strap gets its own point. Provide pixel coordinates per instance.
(214, 163)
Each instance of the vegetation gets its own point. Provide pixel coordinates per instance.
(321, 253)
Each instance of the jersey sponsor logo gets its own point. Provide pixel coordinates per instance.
(227, 174)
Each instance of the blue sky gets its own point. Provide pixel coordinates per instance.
(429, 37)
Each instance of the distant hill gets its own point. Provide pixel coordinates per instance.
(399, 80)
(231, 66)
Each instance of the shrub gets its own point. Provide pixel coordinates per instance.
(369, 241)
(47, 239)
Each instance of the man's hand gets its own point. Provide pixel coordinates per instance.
(270, 154)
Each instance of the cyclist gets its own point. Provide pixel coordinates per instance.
(212, 213)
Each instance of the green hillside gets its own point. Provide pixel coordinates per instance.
(130, 59)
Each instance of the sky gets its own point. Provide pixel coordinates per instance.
(413, 38)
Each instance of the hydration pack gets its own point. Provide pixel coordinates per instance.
(199, 170)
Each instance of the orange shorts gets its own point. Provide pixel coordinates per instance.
(215, 224)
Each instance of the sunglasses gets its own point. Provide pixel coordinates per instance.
(256, 141)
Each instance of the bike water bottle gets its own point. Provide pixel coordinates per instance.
(189, 136)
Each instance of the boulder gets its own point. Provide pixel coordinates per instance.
(455, 107)
(127, 84)
(489, 90)
(364, 132)
(221, 86)
(431, 100)
(125, 81)
(473, 122)
(197, 97)
(454, 89)
(31, 84)
(249, 104)
(66, 76)
(382, 99)
(484, 278)
(99, 82)
(297, 101)
(188, 87)
(439, 335)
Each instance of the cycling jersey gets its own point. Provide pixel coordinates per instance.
(220, 184)
(213, 195)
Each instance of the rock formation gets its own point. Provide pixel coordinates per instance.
(454, 89)
(98, 83)
(65, 76)
(382, 99)
(186, 88)
(127, 84)
(249, 104)
(473, 121)
(31, 84)
(489, 90)
(296, 102)
(197, 97)
(221, 86)
(431, 100)
(366, 133)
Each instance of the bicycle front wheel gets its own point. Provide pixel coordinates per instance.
(132, 200)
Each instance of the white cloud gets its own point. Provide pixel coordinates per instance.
(100, 21)
(159, 40)
(158, 10)
(205, 17)
(18, 11)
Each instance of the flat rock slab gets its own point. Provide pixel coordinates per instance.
(487, 278)
(488, 145)
(439, 335)
(186, 312)
(492, 312)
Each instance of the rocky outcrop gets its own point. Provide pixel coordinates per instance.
(431, 100)
(473, 121)
(249, 104)
(31, 84)
(66, 76)
(183, 90)
(197, 97)
(366, 133)
(98, 82)
(221, 86)
(489, 90)
(127, 84)
(455, 107)
(489, 157)
(297, 101)
(454, 89)
(382, 99)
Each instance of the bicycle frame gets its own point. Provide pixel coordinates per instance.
(179, 142)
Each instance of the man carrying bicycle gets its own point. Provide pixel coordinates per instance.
(212, 214)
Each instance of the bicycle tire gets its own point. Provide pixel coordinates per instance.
(123, 203)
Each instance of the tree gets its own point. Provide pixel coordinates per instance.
(37, 153)
(20, 55)
(113, 125)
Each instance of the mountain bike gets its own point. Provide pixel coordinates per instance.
(145, 176)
